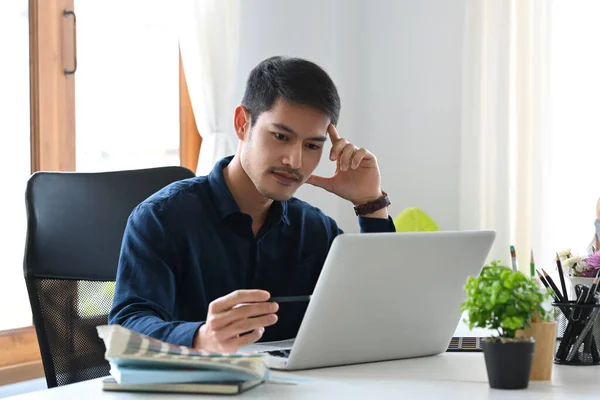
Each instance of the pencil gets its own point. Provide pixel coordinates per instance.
(556, 299)
(513, 256)
(559, 295)
(547, 285)
(532, 265)
(290, 299)
(561, 275)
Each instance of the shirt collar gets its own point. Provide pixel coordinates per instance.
(225, 203)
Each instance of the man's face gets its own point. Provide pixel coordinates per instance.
(283, 148)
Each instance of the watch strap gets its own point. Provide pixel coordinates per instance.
(373, 206)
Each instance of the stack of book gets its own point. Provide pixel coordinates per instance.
(141, 363)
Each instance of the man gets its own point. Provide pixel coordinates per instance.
(595, 243)
(201, 258)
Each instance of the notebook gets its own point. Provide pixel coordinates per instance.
(140, 358)
(110, 384)
(135, 375)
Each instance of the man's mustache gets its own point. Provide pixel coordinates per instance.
(288, 171)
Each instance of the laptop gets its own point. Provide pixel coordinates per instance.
(383, 296)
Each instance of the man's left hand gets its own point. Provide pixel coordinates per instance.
(356, 177)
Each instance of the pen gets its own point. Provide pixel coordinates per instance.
(590, 295)
(581, 299)
(570, 332)
(595, 352)
(290, 299)
(582, 335)
(586, 296)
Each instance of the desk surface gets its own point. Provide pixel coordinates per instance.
(448, 376)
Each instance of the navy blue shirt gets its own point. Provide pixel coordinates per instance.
(189, 244)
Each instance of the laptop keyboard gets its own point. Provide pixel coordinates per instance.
(285, 353)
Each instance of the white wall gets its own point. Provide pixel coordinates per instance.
(413, 102)
(397, 65)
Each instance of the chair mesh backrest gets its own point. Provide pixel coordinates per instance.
(76, 351)
(75, 224)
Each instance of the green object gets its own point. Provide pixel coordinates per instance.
(503, 300)
(414, 219)
(92, 304)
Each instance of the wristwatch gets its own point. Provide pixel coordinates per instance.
(372, 206)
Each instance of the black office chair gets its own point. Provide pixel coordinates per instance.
(75, 224)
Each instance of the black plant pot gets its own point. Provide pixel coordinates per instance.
(508, 364)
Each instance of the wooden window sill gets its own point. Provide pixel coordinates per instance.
(21, 359)
(21, 372)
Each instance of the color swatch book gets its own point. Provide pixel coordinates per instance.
(139, 359)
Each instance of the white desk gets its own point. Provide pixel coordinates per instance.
(447, 376)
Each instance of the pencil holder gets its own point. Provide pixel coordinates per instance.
(579, 338)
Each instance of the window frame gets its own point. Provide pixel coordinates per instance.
(53, 144)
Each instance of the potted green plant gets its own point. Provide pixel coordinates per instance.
(506, 302)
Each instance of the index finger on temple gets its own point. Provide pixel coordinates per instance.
(333, 133)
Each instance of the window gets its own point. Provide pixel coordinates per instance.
(575, 87)
(15, 163)
(126, 85)
(129, 96)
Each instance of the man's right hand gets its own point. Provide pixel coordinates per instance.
(236, 320)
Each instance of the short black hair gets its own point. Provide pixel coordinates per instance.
(295, 80)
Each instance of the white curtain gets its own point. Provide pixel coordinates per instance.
(209, 40)
(503, 123)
